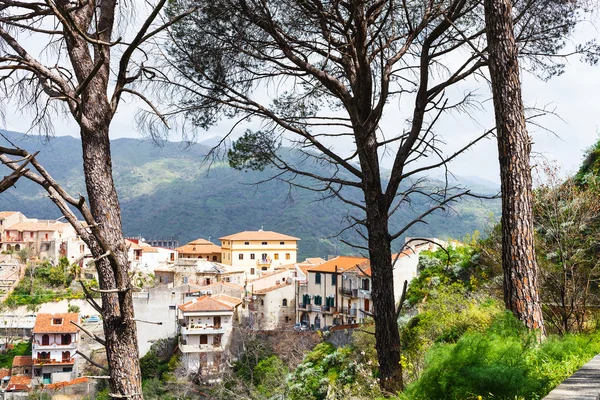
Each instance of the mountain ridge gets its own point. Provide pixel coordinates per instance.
(169, 192)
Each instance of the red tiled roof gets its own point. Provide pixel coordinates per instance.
(199, 246)
(258, 235)
(59, 385)
(205, 303)
(22, 361)
(4, 372)
(229, 300)
(270, 289)
(342, 263)
(37, 226)
(43, 323)
(19, 383)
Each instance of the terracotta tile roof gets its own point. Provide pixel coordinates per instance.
(258, 235)
(199, 246)
(4, 372)
(231, 301)
(37, 226)
(22, 361)
(19, 383)
(342, 263)
(270, 289)
(43, 323)
(132, 245)
(58, 385)
(4, 214)
(205, 303)
(362, 269)
(314, 261)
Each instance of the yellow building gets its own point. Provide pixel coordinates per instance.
(258, 251)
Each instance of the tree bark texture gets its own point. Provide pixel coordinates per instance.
(514, 148)
(120, 330)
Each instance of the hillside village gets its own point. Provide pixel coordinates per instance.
(196, 292)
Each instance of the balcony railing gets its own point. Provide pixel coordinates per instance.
(328, 309)
(353, 312)
(48, 361)
(346, 291)
(199, 348)
(36, 344)
(303, 306)
(314, 307)
(262, 263)
(201, 329)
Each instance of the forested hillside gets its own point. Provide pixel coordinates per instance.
(169, 191)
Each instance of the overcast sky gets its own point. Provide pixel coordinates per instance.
(574, 96)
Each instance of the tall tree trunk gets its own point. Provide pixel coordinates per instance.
(117, 308)
(387, 336)
(514, 147)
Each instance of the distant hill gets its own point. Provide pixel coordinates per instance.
(170, 192)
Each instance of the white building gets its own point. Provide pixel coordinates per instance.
(54, 344)
(271, 300)
(258, 252)
(205, 331)
(405, 263)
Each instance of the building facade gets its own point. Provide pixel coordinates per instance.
(258, 252)
(54, 344)
(205, 326)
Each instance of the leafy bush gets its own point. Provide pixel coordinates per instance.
(504, 362)
(19, 349)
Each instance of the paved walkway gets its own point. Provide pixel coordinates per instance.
(582, 385)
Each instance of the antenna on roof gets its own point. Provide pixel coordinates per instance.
(209, 238)
(261, 228)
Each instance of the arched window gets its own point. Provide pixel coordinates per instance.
(66, 356)
(65, 339)
(284, 303)
(214, 258)
(44, 355)
(45, 340)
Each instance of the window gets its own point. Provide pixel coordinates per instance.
(44, 355)
(30, 234)
(264, 243)
(287, 256)
(241, 256)
(214, 258)
(46, 236)
(264, 257)
(66, 356)
(333, 279)
(65, 339)
(284, 303)
(228, 256)
(251, 271)
(365, 284)
(203, 339)
(45, 340)
(318, 278)
(262, 302)
(276, 256)
(247, 243)
(217, 322)
(252, 257)
(185, 280)
(56, 321)
(67, 369)
(264, 268)
(282, 243)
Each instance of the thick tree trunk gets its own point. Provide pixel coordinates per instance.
(117, 308)
(387, 336)
(514, 147)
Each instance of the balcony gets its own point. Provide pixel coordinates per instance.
(329, 309)
(199, 348)
(315, 308)
(302, 306)
(345, 291)
(353, 312)
(53, 361)
(202, 330)
(263, 263)
(36, 345)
